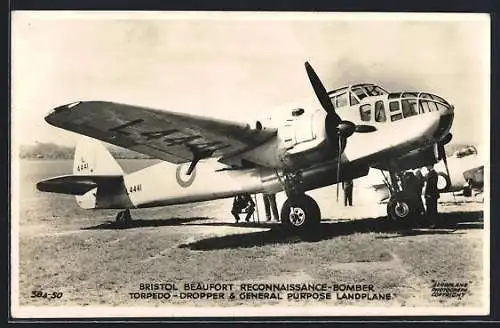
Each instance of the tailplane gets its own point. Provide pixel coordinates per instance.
(97, 179)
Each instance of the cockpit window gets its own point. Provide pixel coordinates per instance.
(394, 106)
(353, 99)
(334, 101)
(409, 95)
(394, 95)
(336, 91)
(409, 107)
(366, 112)
(341, 100)
(359, 93)
(379, 111)
(373, 90)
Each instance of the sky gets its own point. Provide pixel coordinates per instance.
(241, 65)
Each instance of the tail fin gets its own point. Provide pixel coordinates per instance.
(92, 158)
(97, 180)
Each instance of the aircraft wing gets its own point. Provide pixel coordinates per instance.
(170, 136)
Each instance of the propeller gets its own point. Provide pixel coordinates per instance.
(334, 125)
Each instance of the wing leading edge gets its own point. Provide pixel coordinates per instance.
(170, 136)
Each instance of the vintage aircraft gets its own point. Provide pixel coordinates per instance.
(360, 126)
(462, 174)
(466, 172)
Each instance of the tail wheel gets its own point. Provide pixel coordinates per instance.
(300, 214)
(402, 207)
(123, 216)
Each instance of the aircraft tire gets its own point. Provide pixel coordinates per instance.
(300, 214)
(123, 216)
(402, 207)
(447, 180)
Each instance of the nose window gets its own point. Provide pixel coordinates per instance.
(428, 106)
(441, 106)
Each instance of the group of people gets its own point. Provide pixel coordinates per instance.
(411, 182)
(414, 183)
(244, 204)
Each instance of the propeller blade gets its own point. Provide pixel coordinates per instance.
(338, 168)
(365, 128)
(320, 92)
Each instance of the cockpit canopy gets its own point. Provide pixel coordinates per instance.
(367, 99)
(352, 95)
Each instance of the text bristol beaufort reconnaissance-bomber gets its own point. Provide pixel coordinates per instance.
(319, 291)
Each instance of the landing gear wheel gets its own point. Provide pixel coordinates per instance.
(402, 207)
(123, 216)
(300, 214)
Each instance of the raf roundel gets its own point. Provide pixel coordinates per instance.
(182, 178)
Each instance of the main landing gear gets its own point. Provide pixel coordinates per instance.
(123, 216)
(405, 203)
(300, 213)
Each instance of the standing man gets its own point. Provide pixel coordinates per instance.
(270, 205)
(420, 186)
(412, 185)
(431, 192)
(347, 186)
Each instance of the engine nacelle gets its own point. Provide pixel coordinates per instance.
(301, 141)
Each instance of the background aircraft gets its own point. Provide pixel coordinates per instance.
(359, 126)
(466, 174)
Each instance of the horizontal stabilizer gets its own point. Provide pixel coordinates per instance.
(77, 184)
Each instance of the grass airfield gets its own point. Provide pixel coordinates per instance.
(95, 261)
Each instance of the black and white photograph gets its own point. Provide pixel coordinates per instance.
(249, 164)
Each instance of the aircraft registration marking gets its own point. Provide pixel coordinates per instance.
(84, 165)
(179, 139)
(134, 188)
